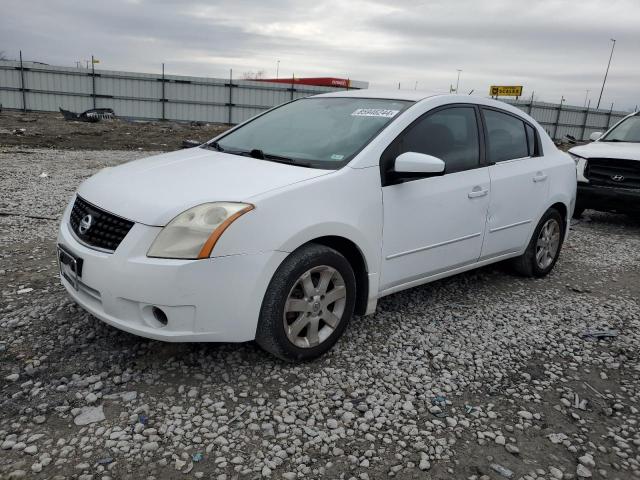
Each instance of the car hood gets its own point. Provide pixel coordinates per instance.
(624, 151)
(155, 189)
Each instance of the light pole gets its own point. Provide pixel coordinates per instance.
(277, 68)
(586, 95)
(458, 81)
(607, 71)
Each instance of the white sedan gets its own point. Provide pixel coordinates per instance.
(283, 227)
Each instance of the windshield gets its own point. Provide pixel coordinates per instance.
(313, 132)
(627, 131)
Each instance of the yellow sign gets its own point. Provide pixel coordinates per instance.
(500, 91)
(95, 60)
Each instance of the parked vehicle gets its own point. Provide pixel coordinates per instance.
(281, 228)
(608, 169)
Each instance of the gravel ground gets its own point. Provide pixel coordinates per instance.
(484, 375)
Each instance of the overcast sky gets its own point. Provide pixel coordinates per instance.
(554, 48)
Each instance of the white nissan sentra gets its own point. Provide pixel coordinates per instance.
(282, 228)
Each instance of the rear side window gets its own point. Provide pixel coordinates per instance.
(450, 134)
(507, 138)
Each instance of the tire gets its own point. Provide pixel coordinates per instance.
(528, 264)
(288, 306)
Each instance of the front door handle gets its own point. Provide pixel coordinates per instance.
(540, 177)
(478, 192)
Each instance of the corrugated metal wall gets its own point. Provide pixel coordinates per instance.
(561, 120)
(140, 95)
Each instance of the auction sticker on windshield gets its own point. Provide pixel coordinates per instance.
(374, 112)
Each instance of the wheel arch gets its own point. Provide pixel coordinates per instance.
(564, 210)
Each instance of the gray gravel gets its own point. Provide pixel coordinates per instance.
(485, 375)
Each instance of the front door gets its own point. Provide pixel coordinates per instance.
(435, 224)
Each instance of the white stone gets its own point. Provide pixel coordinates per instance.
(526, 415)
(89, 415)
(583, 472)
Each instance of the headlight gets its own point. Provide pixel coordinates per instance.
(576, 158)
(194, 233)
(581, 168)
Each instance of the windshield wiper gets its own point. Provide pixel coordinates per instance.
(260, 155)
(213, 146)
(257, 153)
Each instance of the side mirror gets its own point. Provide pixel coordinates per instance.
(417, 163)
(595, 136)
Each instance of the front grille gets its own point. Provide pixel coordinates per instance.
(106, 230)
(603, 171)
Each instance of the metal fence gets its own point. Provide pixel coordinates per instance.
(560, 120)
(38, 87)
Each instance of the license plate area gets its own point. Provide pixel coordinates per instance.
(70, 266)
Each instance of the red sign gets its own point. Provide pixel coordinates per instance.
(316, 81)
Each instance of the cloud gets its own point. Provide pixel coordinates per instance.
(553, 47)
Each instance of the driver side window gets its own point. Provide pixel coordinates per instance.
(450, 134)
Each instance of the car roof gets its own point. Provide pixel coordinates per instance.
(411, 95)
(419, 96)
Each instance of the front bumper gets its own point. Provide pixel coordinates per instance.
(212, 300)
(608, 198)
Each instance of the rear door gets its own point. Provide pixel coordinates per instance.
(435, 224)
(519, 182)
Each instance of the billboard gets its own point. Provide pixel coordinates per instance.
(505, 91)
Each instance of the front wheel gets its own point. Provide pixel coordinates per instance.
(308, 304)
(544, 247)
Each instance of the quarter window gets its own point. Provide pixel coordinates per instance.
(531, 139)
(507, 138)
(450, 134)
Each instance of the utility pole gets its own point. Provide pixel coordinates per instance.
(162, 100)
(458, 81)
(24, 92)
(586, 95)
(607, 71)
(557, 124)
(531, 102)
(93, 81)
(230, 95)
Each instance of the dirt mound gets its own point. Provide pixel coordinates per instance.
(50, 130)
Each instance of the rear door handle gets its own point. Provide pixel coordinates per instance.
(540, 177)
(478, 192)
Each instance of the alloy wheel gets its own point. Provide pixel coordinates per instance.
(548, 243)
(315, 306)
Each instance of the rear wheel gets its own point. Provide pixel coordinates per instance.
(544, 247)
(308, 304)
